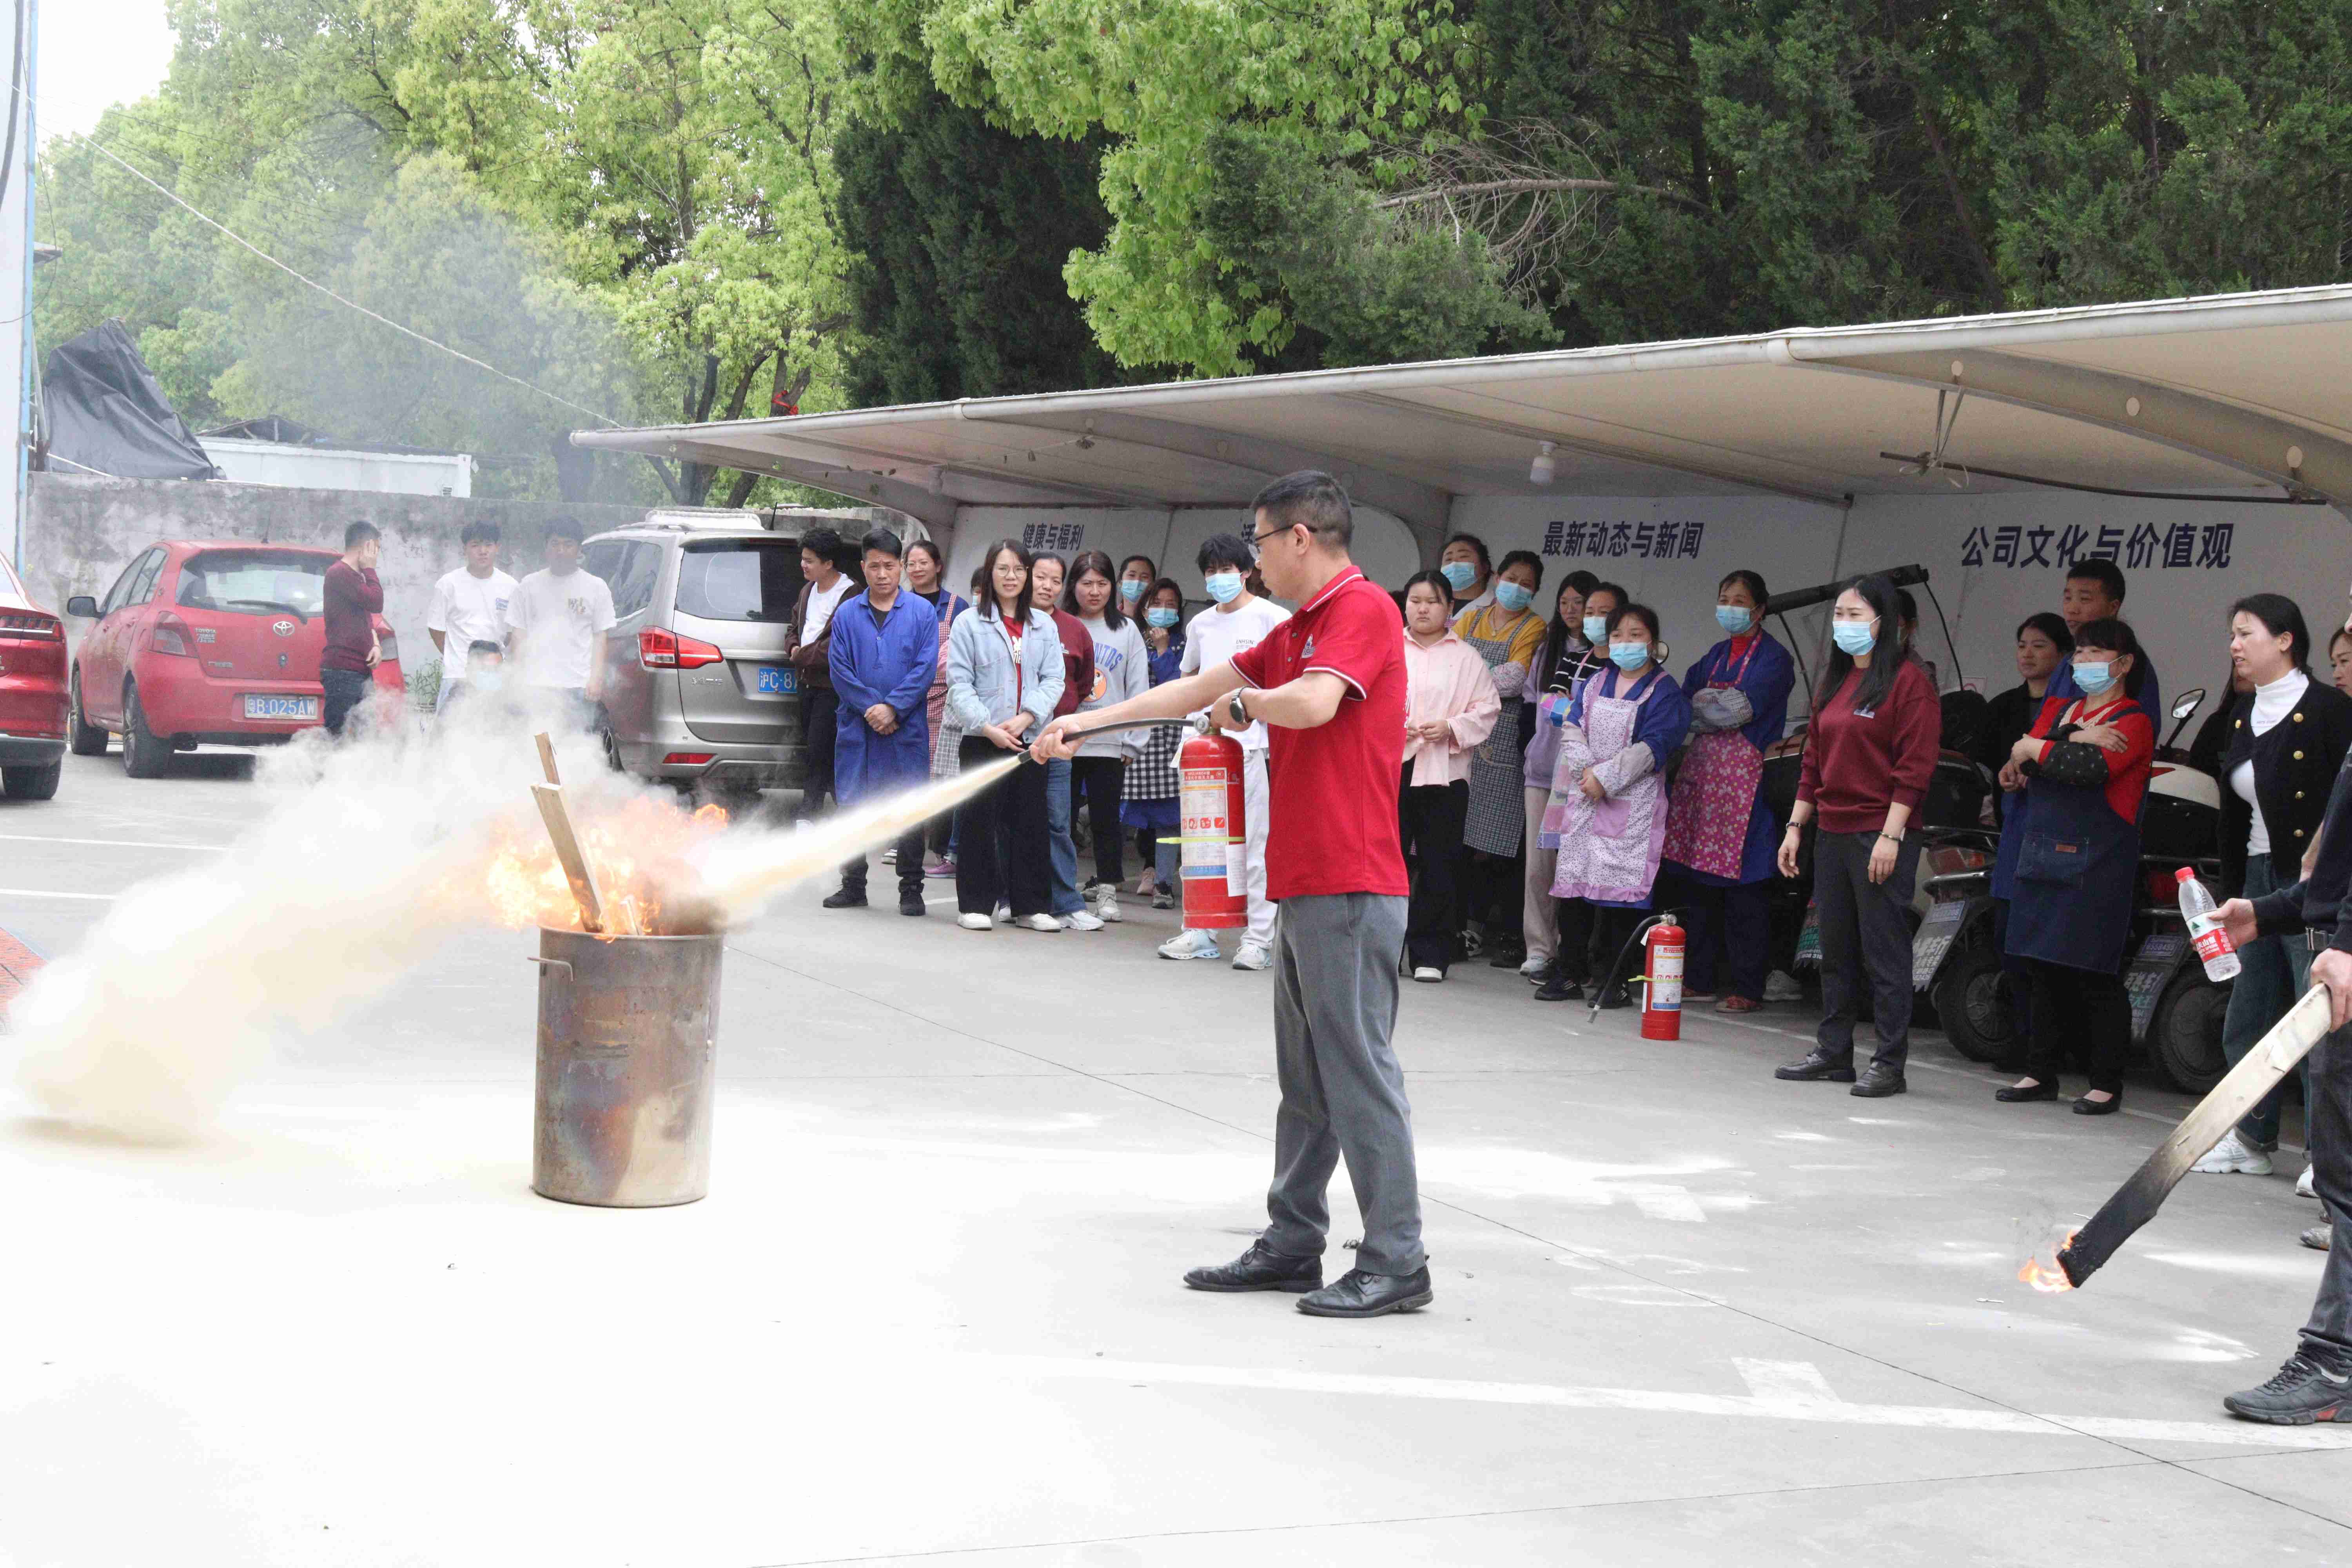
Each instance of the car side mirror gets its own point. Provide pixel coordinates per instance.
(83, 605)
(2188, 702)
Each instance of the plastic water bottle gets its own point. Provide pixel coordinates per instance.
(2206, 933)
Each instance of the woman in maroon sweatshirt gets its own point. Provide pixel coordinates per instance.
(1869, 753)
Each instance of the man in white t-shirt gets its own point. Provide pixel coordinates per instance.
(1238, 621)
(556, 624)
(469, 606)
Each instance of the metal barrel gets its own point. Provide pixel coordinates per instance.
(628, 1031)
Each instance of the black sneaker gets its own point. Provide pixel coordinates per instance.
(1820, 1067)
(2306, 1390)
(911, 904)
(1508, 955)
(846, 899)
(1259, 1270)
(1356, 1294)
(1615, 997)
(1878, 1082)
(1560, 988)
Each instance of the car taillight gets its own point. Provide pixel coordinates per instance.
(659, 648)
(30, 625)
(173, 636)
(688, 759)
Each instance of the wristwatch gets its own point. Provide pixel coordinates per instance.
(1233, 707)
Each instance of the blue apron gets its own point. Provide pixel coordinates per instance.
(2075, 874)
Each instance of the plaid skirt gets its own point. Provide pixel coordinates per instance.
(1498, 807)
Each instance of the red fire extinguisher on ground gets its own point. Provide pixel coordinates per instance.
(1661, 981)
(1209, 845)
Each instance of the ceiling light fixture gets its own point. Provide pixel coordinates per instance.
(1543, 470)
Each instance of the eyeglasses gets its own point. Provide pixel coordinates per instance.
(1259, 539)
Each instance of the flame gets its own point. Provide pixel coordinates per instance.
(637, 849)
(2050, 1279)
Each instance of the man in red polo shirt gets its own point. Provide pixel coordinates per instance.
(1329, 684)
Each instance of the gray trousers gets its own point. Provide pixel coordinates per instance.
(2327, 1132)
(1335, 1004)
(1864, 941)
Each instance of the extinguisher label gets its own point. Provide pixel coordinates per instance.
(1210, 846)
(1666, 978)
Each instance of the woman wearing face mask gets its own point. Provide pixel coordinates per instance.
(1509, 634)
(2085, 764)
(1136, 575)
(2285, 746)
(1148, 794)
(1098, 770)
(1469, 572)
(1580, 656)
(1871, 750)
(925, 571)
(1608, 812)
(1557, 665)
(1450, 708)
(1720, 833)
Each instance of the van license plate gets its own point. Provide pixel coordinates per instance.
(779, 678)
(281, 707)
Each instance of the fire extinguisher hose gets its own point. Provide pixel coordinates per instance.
(1200, 726)
(1618, 967)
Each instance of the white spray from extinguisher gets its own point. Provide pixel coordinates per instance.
(2206, 933)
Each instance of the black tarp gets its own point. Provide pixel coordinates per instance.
(104, 413)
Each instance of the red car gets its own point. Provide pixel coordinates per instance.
(206, 642)
(32, 693)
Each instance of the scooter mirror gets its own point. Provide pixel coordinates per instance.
(2188, 702)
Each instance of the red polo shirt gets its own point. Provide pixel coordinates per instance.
(1333, 814)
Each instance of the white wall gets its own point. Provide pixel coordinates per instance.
(1384, 546)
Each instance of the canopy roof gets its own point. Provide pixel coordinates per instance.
(2238, 397)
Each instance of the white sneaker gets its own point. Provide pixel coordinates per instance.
(1781, 986)
(1534, 966)
(1040, 922)
(1107, 910)
(1093, 892)
(1253, 955)
(1190, 944)
(1004, 913)
(975, 922)
(889, 856)
(1429, 975)
(2303, 1187)
(2233, 1156)
(1079, 920)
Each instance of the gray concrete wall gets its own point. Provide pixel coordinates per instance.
(80, 531)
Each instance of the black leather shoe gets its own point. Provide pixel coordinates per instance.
(911, 904)
(2089, 1107)
(1356, 1294)
(2013, 1095)
(1878, 1082)
(1820, 1067)
(1259, 1270)
(1560, 988)
(846, 899)
(1510, 955)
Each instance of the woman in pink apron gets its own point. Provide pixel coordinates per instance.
(1720, 834)
(1608, 812)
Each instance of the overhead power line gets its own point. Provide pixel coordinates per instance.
(174, 196)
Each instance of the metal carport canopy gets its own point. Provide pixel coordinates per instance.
(2237, 396)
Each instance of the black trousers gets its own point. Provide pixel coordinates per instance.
(1865, 939)
(910, 867)
(1429, 824)
(1493, 892)
(2078, 1008)
(1610, 928)
(1018, 801)
(345, 689)
(1095, 781)
(819, 704)
(1575, 959)
(1730, 929)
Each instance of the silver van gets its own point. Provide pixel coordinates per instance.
(697, 692)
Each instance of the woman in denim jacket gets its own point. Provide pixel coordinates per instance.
(1004, 676)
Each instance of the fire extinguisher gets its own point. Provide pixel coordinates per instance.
(1209, 848)
(1661, 981)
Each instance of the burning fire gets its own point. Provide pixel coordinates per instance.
(2050, 1279)
(637, 849)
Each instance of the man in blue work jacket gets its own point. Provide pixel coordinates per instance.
(885, 650)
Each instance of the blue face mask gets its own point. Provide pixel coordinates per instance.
(1160, 616)
(2093, 678)
(1734, 618)
(1856, 636)
(1628, 654)
(1224, 587)
(1513, 597)
(1132, 588)
(1461, 573)
(1595, 628)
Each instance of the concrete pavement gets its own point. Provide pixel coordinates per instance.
(930, 1311)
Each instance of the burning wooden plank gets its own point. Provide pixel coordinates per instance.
(576, 869)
